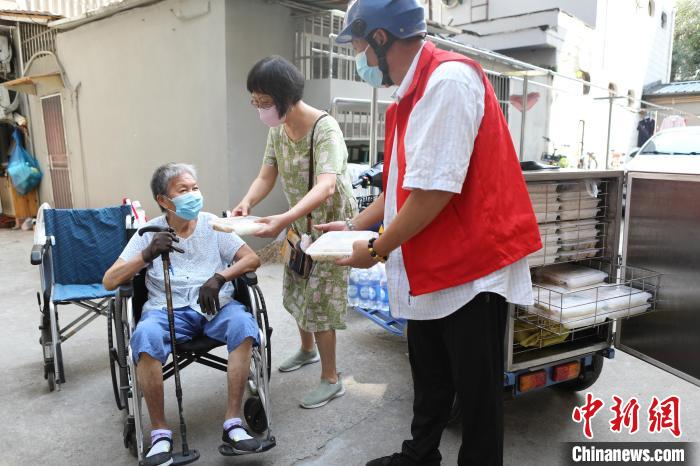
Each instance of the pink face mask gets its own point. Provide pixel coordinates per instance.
(270, 117)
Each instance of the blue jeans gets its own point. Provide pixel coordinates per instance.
(231, 325)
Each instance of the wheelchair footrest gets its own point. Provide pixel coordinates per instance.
(179, 458)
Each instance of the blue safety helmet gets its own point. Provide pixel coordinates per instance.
(401, 18)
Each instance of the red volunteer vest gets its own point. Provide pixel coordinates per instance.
(486, 227)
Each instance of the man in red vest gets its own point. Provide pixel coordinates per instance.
(458, 226)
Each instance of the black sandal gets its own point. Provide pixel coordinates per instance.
(241, 447)
(160, 459)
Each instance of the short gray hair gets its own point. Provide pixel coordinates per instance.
(163, 174)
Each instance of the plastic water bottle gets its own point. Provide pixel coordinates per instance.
(383, 291)
(352, 289)
(365, 290)
(379, 273)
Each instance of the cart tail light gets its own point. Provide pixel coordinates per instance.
(567, 371)
(527, 382)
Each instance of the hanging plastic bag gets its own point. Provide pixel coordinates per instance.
(23, 167)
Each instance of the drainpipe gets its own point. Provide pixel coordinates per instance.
(373, 117)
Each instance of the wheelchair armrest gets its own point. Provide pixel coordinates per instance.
(37, 254)
(250, 279)
(126, 290)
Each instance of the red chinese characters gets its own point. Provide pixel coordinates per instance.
(587, 412)
(627, 416)
(665, 414)
(662, 415)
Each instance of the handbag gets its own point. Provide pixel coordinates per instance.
(299, 262)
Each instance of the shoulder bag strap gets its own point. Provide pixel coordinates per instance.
(311, 169)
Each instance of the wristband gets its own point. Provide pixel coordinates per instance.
(373, 253)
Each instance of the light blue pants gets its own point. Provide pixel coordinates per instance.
(231, 325)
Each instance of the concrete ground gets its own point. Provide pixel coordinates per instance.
(80, 424)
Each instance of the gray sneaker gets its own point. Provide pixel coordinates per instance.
(322, 394)
(299, 359)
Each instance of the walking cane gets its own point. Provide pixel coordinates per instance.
(187, 456)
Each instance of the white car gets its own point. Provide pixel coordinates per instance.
(675, 150)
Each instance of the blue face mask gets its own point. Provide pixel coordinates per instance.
(188, 205)
(372, 75)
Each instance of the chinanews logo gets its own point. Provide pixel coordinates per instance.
(630, 417)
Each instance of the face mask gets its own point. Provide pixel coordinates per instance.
(270, 117)
(188, 205)
(372, 75)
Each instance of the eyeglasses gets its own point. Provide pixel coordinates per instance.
(264, 105)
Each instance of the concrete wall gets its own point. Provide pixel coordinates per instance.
(659, 68)
(470, 11)
(254, 30)
(584, 10)
(627, 48)
(151, 88)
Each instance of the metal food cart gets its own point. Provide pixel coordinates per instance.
(648, 305)
(544, 346)
(655, 253)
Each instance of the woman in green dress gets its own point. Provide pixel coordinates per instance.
(318, 303)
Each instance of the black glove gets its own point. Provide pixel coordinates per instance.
(209, 294)
(162, 242)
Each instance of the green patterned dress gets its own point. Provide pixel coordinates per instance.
(320, 302)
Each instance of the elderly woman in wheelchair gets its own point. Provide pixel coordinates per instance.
(200, 280)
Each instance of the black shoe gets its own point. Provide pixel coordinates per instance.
(397, 459)
(160, 459)
(242, 447)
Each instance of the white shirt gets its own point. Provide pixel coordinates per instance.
(439, 141)
(206, 251)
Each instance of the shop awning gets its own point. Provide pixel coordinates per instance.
(36, 85)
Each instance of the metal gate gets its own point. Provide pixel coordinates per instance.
(52, 110)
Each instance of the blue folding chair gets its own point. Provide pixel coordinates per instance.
(80, 245)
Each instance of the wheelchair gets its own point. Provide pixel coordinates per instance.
(124, 315)
(74, 248)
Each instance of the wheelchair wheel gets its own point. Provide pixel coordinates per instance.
(51, 379)
(130, 437)
(117, 358)
(45, 340)
(254, 413)
(49, 371)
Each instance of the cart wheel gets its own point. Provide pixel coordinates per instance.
(585, 379)
(255, 415)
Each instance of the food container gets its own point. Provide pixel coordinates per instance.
(337, 244)
(578, 244)
(242, 226)
(578, 214)
(571, 275)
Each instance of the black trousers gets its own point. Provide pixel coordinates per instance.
(463, 354)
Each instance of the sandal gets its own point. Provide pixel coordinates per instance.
(241, 447)
(160, 459)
